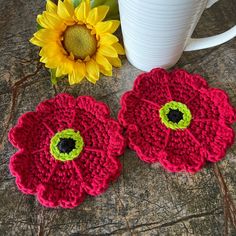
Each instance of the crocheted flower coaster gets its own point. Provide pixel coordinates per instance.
(68, 148)
(177, 120)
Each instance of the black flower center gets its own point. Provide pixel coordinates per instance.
(66, 145)
(175, 115)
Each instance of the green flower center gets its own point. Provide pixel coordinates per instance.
(66, 145)
(175, 115)
(79, 41)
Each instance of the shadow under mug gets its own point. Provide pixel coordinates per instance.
(156, 32)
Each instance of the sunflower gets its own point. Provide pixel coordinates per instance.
(75, 41)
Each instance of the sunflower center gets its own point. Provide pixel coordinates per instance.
(79, 41)
(66, 145)
(175, 115)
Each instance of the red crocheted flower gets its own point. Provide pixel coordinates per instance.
(68, 148)
(176, 119)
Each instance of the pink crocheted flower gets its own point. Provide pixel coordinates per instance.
(68, 148)
(177, 120)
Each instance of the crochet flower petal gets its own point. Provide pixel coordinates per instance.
(105, 135)
(148, 141)
(58, 103)
(117, 143)
(212, 104)
(88, 112)
(63, 187)
(182, 153)
(213, 136)
(58, 113)
(97, 170)
(222, 102)
(30, 133)
(31, 169)
(184, 86)
(157, 80)
(134, 110)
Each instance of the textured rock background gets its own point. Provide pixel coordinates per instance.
(146, 200)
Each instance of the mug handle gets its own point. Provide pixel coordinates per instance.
(202, 43)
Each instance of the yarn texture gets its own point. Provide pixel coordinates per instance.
(67, 150)
(176, 119)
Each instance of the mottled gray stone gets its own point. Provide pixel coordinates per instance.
(146, 200)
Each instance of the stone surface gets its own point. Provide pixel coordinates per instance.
(146, 200)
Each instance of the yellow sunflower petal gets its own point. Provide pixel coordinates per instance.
(108, 39)
(65, 11)
(81, 12)
(115, 61)
(68, 66)
(65, 67)
(88, 4)
(36, 42)
(52, 55)
(51, 62)
(43, 21)
(69, 2)
(59, 72)
(74, 78)
(80, 67)
(78, 73)
(47, 35)
(97, 14)
(102, 27)
(50, 20)
(106, 72)
(93, 72)
(70, 7)
(119, 48)
(107, 51)
(51, 7)
(107, 26)
(50, 50)
(115, 26)
(103, 62)
(55, 48)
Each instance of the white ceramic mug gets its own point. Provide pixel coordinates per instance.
(156, 32)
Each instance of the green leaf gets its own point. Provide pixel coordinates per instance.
(76, 3)
(53, 76)
(113, 4)
(114, 9)
(39, 27)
